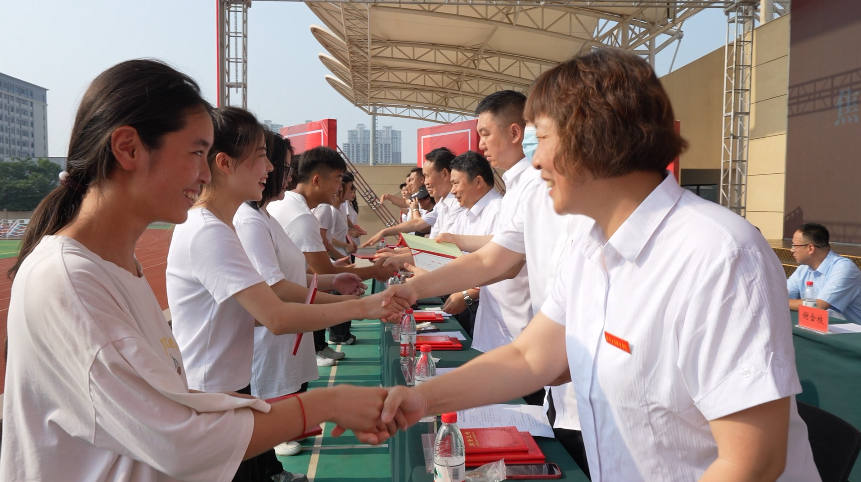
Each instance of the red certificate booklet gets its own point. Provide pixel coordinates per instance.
(532, 456)
(493, 440)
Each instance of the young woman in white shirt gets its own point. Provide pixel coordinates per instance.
(95, 383)
(215, 293)
(669, 312)
(279, 366)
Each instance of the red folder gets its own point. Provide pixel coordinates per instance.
(427, 316)
(434, 340)
(310, 433)
(534, 455)
(309, 300)
(493, 440)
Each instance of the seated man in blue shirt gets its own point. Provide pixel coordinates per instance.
(836, 280)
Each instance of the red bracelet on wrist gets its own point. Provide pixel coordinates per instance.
(302, 406)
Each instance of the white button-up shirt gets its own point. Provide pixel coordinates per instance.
(506, 306)
(534, 229)
(444, 214)
(698, 295)
(490, 330)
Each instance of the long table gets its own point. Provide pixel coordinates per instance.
(829, 367)
(405, 449)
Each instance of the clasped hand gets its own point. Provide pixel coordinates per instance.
(402, 408)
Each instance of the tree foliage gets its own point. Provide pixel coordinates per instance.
(25, 182)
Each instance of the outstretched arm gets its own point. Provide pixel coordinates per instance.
(536, 358)
(405, 227)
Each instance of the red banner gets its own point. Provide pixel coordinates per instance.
(312, 134)
(458, 137)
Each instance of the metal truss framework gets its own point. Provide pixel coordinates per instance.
(442, 83)
(738, 73)
(431, 79)
(232, 18)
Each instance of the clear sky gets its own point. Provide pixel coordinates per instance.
(62, 45)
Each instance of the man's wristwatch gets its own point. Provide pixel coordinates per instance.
(467, 299)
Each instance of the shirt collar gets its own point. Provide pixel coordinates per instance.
(826, 263)
(482, 203)
(632, 236)
(516, 170)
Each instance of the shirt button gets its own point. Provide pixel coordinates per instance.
(745, 372)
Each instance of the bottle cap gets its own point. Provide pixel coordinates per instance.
(408, 311)
(810, 283)
(425, 348)
(450, 417)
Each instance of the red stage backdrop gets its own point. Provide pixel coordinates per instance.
(823, 137)
(312, 134)
(459, 137)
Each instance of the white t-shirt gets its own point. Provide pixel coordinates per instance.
(275, 371)
(534, 229)
(699, 297)
(293, 215)
(206, 266)
(339, 228)
(95, 384)
(352, 215)
(323, 213)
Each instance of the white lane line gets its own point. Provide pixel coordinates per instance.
(315, 455)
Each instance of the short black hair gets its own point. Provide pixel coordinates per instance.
(441, 158)
(319, 160)
(403, 185)
(473, 164)
(505, 105)
(418, 170)
(816, 234)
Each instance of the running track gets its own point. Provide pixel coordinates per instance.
(151, 252)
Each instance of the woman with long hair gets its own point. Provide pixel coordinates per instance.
(214, 291)
(282, 364)
(96, 387)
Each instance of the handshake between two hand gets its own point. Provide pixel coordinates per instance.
(375, 414)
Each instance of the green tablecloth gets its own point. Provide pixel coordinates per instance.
(405, 449)
(829, 367)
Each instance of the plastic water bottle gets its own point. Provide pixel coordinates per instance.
(396, 328)
(425, 367)
(449, 455)
(425, 370)
(408, 346)
(809, 296)
(381, 244)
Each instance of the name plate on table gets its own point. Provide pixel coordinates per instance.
(813, 319)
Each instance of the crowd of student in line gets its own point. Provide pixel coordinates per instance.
(655, 321)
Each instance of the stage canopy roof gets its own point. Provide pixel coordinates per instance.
(436, 61)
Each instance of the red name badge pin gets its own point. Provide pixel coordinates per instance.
(813, 319)
(617, 342)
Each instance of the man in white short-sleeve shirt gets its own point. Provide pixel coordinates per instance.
(437, 181)
(528, 230)
(320, 174)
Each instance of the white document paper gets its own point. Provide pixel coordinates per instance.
(455, 334)
(429, 261)
(527, 418)
(439, 371)
(844, 328)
